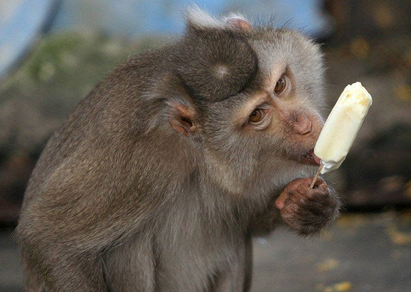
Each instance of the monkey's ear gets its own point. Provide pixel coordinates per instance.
(198, 19)
(181, 118)
(180, 108)
(237, 21)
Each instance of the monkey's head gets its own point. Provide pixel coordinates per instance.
(249, 98)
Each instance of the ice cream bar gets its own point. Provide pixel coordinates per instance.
(341, 126)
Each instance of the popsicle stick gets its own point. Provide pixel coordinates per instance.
(316, 175)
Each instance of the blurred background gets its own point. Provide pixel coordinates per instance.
(52, 52)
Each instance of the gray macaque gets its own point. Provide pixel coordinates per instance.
(161, 176)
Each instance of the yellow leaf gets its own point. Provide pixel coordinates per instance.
(328, 265)
(403, 92)
(383, 15)
(360, 48)
(339, 287)
(343, 286)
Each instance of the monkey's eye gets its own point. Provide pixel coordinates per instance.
(280, 85)
(256, 116)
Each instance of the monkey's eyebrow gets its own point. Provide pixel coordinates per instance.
(286, 68)
(282, 72)
(278, 70)
(256, 100)
(271, 80)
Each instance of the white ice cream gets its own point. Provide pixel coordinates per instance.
(342, 125)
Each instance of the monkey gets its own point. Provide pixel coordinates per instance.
(161, 176)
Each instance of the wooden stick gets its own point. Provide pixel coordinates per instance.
(316, 175)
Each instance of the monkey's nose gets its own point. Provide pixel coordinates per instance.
(302, 124)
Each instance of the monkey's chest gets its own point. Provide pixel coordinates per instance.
(195, 261)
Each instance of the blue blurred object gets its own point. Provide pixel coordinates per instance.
(130, 18)
(21, 22)
(136, 18)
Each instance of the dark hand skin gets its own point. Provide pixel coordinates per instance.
(307, 210)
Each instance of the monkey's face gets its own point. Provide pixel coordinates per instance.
(286, 104)
(259, 92)
(273, 128)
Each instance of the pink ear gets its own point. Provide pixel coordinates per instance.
(181, 119)
(239, 23)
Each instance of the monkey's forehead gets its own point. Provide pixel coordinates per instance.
(276, 46)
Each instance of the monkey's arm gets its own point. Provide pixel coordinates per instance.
(67, 227)
(305, 210)
(265, 222)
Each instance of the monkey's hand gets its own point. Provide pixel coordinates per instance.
(308, 210)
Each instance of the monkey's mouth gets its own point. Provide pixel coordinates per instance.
(310, 158)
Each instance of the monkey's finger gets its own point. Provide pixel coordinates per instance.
(319, 182)
(290, 208)
(296, 183)
(297, 198)
(280, 201)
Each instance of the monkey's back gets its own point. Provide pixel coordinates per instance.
(106, 115)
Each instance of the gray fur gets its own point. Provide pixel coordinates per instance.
(121, 201)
